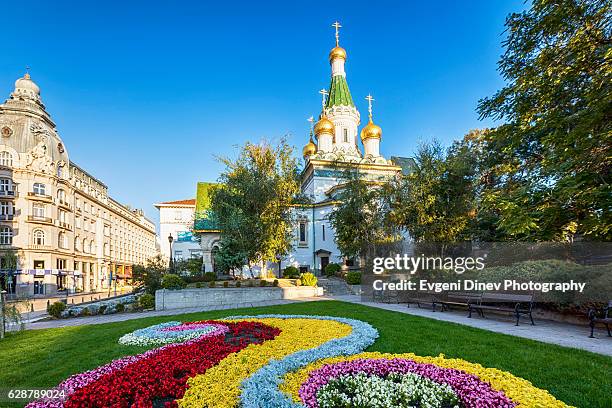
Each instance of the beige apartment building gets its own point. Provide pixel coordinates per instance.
(59, 221)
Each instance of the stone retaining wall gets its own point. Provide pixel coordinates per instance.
(186, 298)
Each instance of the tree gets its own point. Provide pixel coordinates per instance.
(361, 217)
(436, 201)
(149, 276)
(550, 162)
(252, 205)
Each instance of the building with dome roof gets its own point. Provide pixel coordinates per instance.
(67, 233)
(335, 150)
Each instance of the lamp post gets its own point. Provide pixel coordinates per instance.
(279, 259)
(171, 265)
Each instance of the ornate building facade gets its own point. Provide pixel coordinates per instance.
(59, 228)
(176, 221)
(332, 149)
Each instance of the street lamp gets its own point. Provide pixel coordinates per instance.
(279, 259)
(170, 239)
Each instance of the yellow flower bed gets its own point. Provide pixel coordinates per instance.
(517, 389)
(219, 386)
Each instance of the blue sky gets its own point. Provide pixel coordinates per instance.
(146, 94)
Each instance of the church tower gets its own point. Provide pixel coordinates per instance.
(336, 129)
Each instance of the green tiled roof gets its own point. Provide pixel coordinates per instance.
(339, 94)
(204, 217)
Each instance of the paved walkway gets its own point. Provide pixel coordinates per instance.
(567, 335)
(545, 331)
(120, 317)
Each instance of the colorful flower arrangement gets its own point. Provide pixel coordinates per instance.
(287, 361)
(172, 332)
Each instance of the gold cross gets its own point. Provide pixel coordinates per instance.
(369, 98)
(311, 120)
(337, 26)
(324, 94)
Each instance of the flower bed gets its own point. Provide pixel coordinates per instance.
(287, 361)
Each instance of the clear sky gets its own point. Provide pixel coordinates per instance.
(146, 94)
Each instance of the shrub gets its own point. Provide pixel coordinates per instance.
(198, 285)
(226, 284)
(210, 276)
(291, 272)
(56, 309)
(308, 279)
(102, 309)
(120, 307)
(147, 301)
(211, 284)
(262, 283)
(275, 283)
(238, 284)
(353, 278)
(250, 284)
(332, 269)
(171, 281)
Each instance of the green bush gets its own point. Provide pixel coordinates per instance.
(226, 284)
(291, 272)
(55, 309)
(120, 307)
(210, 276)
(198, 285)
(146, 301)
(250, 284)
(262, 283)
(102, 309)
(353, 278)
(308, 279)
(238, 284)
(332, 269)
(172, 281)
(275, 283)
(212, 284)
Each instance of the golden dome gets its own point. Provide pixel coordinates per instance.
(371, 131)
(309, 149)
(324, 125)
(337, 52)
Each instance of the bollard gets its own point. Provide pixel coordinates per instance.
(72, 300)
(31, 307)
(48, 304)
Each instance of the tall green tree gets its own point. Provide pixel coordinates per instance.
(436, 201)
(252, 206)
(361, 217)
(550, 162)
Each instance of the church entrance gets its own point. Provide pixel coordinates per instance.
(324, 263)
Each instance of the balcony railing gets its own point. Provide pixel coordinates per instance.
(10, 192)
(34, 246)
(6, 217)
(64, 225)
(44, 220)
(34, 195)
(64, 204)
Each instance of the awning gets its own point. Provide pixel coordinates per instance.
(323, 252)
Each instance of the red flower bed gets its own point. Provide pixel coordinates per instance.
(161, 378)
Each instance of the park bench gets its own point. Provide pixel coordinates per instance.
(450, 299)
(421, 298)
(605, 318)
(517, 304)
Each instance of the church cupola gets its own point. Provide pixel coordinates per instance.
(310, 148)
(26, 89)
(324, 128)
(339, 107)
(371, 133)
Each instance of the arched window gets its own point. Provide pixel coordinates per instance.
(39, 237)
(76, 243)
(39, 188)
(62, 240)
(61, 195)
(85, 249)
(6, 235)
(38, 210)
(345, 135)
(106, 250)
(60, 171)
(6, 159)
(92, 247)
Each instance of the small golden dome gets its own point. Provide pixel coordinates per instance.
(309, 149)
(324, 125)
(337, 52)
(371, 131)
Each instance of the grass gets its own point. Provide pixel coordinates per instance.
(43, 358)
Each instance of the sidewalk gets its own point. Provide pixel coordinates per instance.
(120, 317)
(567, 335)
(40, 304)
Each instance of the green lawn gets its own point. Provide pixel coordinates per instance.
(43, 358)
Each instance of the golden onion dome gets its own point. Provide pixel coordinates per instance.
(309, 149)
(371, 131)
(324, 125)
(337, 52)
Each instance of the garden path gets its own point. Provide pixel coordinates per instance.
(546, 331)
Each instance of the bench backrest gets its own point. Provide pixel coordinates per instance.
(463, 296)
(506, 297)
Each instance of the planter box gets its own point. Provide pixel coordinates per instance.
(189, 298)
